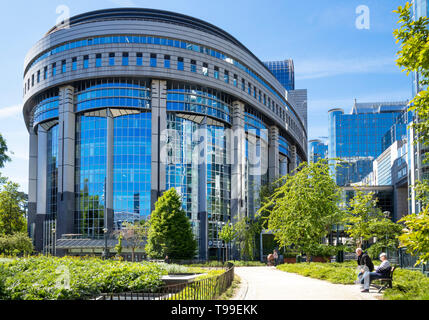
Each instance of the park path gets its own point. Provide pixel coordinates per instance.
(268, 283)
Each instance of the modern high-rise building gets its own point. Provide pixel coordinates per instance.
(317, 149)
(284, 71)
(356, 138)
(123, 104)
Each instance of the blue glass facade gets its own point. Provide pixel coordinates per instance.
(132, 167)
(284, 72)
(317, 150)
(357, 139)
(52, 171)
(91, 150)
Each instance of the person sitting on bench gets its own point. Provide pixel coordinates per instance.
(383, 271)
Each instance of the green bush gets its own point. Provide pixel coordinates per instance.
(16, 244)
(46, 278)
(408, 285)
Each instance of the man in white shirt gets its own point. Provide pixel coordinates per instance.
(383, 271)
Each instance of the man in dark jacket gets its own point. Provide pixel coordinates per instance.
(365, 264)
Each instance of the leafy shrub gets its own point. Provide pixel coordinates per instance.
(408, 285)
(18, 243)
(49, 278)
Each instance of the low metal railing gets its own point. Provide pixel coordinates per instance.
(204, 289)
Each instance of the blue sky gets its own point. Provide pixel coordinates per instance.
(334, 60)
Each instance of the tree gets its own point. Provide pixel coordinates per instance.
(305, 207)
(413, 56)
(361, 214)
(416, 235)
(12, 214)
(228, 234)
(3, 150)
(247, 231)
(133, 234)
(170, 232)
(386, 232)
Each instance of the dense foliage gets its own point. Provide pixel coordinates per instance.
(16, 244)
(413, 56)
(49, 278)
(303, 209)
(170, 232)
(12, 215)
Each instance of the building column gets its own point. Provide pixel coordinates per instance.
(238, 159)
(108, 223)
(66, 162)
(293, 163)
(202, 190)
(42, 143)
(159, 136)
(273, 154)
(32, 184)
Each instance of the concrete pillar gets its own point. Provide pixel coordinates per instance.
(108, 223)
(202, 190)
(32, 184)
(66, 162)
(42, 143)
(238, 162)
(159, 126)
(273, 154)
(293, 163)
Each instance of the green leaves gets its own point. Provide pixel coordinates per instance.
(304, 207)
(416, 235)
(170, 233)
(46, 278)
(12, 218)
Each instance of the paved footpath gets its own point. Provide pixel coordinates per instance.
(268, 283)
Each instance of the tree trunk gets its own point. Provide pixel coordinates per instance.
(132, 254)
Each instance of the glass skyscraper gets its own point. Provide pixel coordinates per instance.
(317, 150)
(284, 71)
(355, 139)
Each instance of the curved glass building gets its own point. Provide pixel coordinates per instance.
(124, 104)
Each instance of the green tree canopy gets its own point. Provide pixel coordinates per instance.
(305, 207)
(3, 152)
(170, 232)
(361, 214)
(12, 214)
(413, 56)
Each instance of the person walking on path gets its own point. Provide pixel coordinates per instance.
(276, 257)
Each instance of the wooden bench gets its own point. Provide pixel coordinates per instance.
(384, 282)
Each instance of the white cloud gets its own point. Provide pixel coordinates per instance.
(323, 68)
(7, 112)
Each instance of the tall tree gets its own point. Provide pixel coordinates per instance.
(362, 213)
(170, 232)
(12, 214)
(413, 56)
(305, 207)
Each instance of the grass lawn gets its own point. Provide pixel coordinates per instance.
(407, 284)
